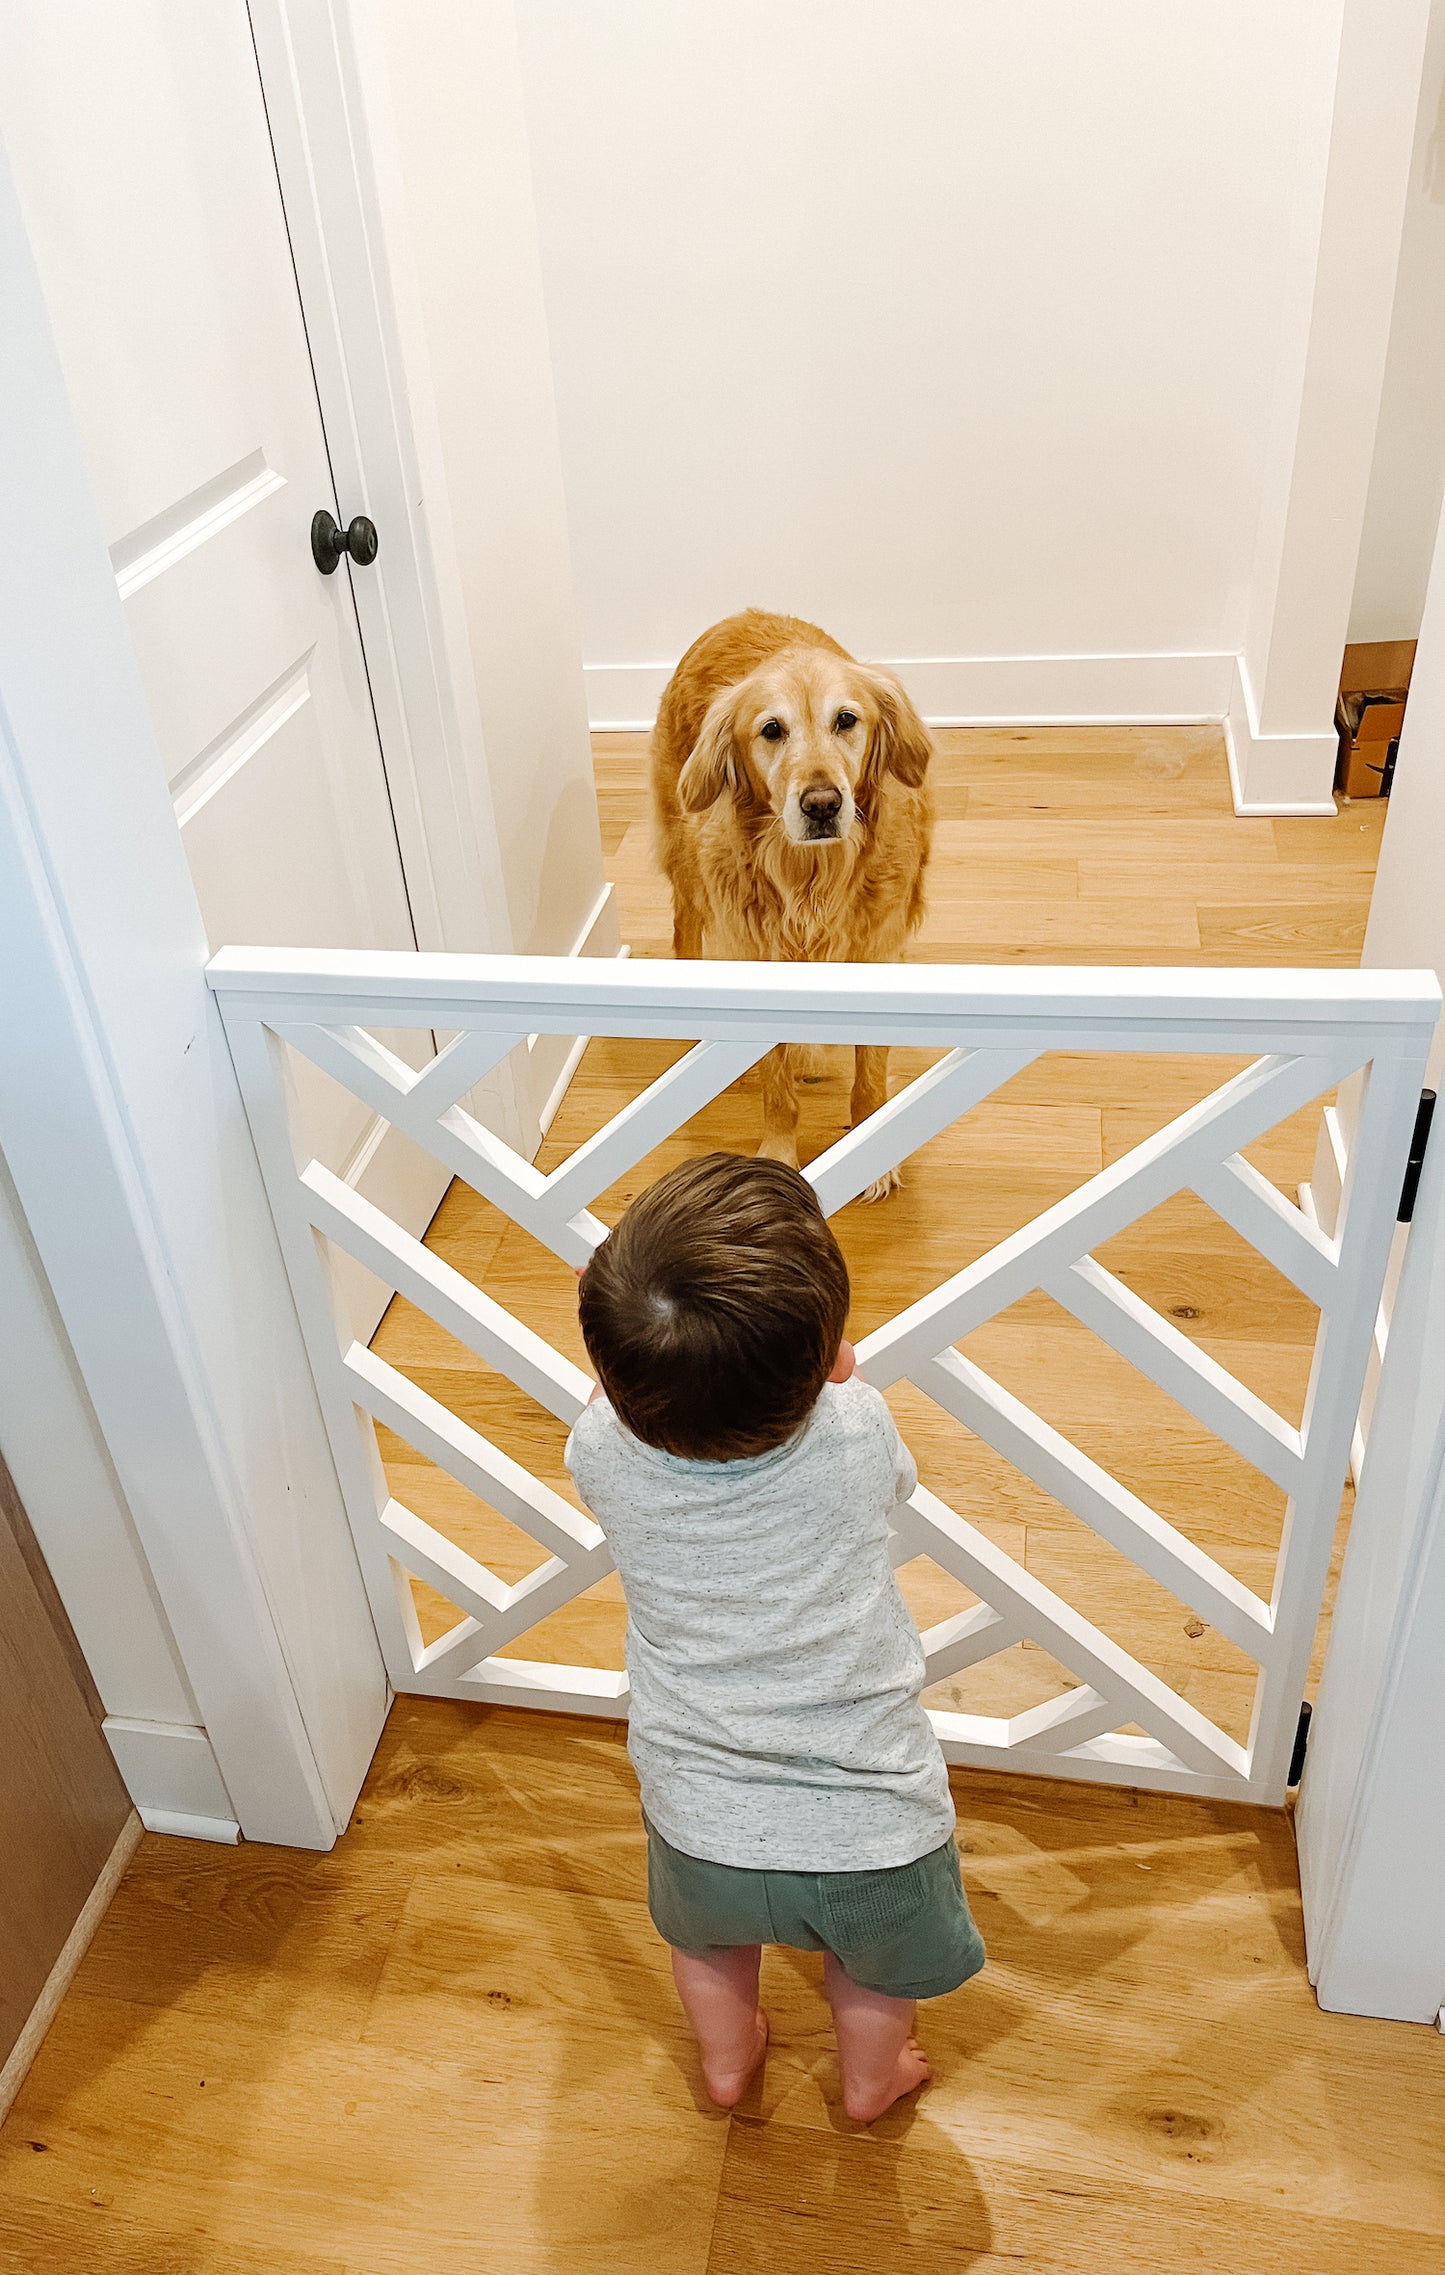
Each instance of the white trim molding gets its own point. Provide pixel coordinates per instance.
(986, 691)
(598, 937)
(1274, 774)
(173, 1777)
(550, 1061)
(73, 1950)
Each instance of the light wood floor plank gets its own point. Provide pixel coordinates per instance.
(272, 1937)
(1140, 2075)
(1351, 840)
(935, 2207)
(90, 2237)
(1241, 933)
(387, 2157)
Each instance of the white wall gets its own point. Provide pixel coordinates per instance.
(1407, 475)
(62, 1468)
(951, 325)
(67, 1481)
(1407, 908)
(1406, 928)
(1360, 90)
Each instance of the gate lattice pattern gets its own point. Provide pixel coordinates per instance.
(1312, 1029)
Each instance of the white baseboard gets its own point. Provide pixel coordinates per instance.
(1275, 774)
(598, 936)
(570, 1065)
(987, 691)
(173, 1778)
(623, 698)
(554, 1059)
(548, 1113)
(58, 1981)
(1067, 691)
(223, 1830)
(390, 1170)
(1327, 1179)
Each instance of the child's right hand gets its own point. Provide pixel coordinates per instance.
(596, 1391)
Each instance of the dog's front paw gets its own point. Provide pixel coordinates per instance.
(778, 1149)
(882, 1186)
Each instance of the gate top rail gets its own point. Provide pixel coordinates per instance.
(1100, 1006)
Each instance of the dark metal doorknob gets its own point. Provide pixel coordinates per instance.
(329, 542)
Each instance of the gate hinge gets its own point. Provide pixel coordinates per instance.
(1415, 1158)
(1301, 1740)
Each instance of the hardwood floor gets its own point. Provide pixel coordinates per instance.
(451, 2044)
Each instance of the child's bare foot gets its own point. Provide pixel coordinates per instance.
(727, 2087)
(910, 2071)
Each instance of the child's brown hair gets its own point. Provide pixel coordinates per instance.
(714, 1312)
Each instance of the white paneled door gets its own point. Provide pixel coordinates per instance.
(137, 133)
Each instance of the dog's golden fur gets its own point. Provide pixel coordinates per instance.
(793, 816)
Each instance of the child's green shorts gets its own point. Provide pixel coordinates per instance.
(906, 1932)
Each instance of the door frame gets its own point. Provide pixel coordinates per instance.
(366, 359)
(325, 82)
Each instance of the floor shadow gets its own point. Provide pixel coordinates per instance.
(837, 2201)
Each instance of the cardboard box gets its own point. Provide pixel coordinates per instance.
(1374, 682)
(1377, 663)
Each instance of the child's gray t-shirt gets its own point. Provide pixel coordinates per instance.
(775, 1671)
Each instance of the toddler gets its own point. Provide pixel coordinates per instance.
(792, 1787)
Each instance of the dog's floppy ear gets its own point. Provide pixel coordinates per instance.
(904, 745)
(712, 764)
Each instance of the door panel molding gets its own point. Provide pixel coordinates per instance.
(456, 724)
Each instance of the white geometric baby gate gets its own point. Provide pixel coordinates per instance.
(1310, 1030)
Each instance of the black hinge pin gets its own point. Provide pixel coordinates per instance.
(1415, 1159)
(1301, 1740)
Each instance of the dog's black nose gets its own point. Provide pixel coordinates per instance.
(823, 804)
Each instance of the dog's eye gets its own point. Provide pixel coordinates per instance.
(771, 730)
(844, 721)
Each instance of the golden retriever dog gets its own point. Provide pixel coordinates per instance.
(789, 786)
